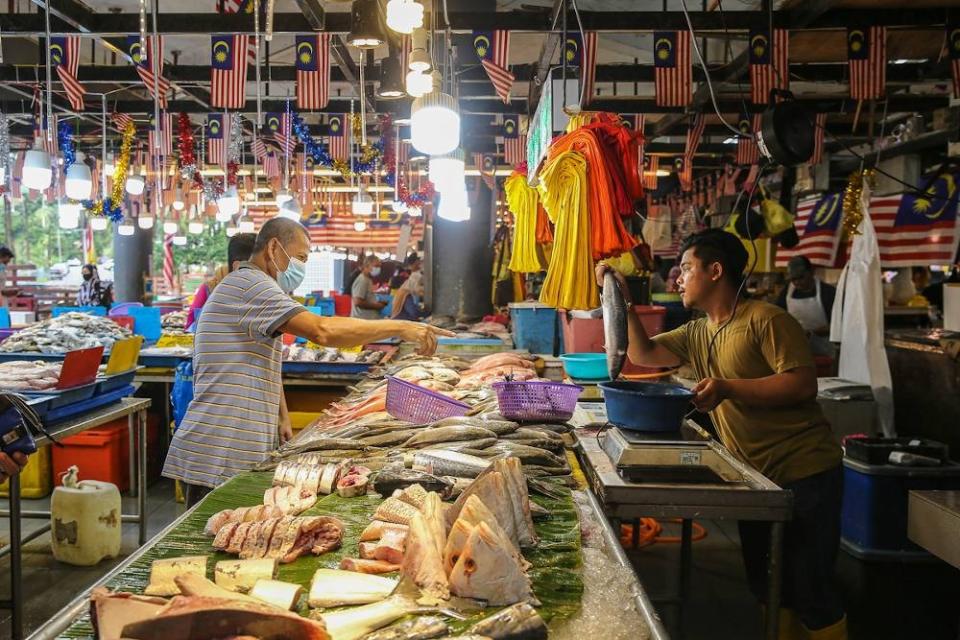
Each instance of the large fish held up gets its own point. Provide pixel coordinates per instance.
(614, 325)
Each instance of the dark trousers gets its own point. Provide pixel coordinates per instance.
(194, 493)
(810, 545)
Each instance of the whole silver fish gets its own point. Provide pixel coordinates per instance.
(462, 445)
(422, 628)
(448, 434)
(614, 325)
(519, 622)
(527, 455)
(449, 463)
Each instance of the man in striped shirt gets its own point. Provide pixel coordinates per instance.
(238, 414)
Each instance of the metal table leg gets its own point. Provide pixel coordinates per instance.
(16, 562)
(686, 556)
(142, 476)
(774, 579)
(132, 457)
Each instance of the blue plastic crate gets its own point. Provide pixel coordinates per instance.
(63, 397)
(328, 368)
(162, 362)
(109, 383)
(84, 406)
(875, 496)
(323, 307)
(534, 327)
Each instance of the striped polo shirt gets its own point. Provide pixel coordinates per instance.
(232, 422)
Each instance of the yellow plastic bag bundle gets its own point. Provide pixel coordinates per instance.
(523, 200)
(570, 280)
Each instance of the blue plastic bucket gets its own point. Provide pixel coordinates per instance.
(646, 406)
(586, 366)
(534, 326)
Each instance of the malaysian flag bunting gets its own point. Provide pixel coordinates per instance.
(867, 62)
(818, 227)
(65, 57)
(313, 71)
(228, 71)
(673, 73)
(259, 147)
(684, 168)
(583, 55)
(278, 125)
(121, 120)
(747, 151)
(157, 85)
(215, 142)
(165, 144)
(820, 124)
(953, 44)
(493, 49)
(651, 164)
(49, 143)
(694, 135)
(244, 6)
(168, 273)
(769, 66)
(487, 168)
(918, 230)
(271, 165)
(514, 144)
(339, 134)
(336, 229)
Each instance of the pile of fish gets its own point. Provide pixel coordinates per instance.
(299, 353)
(173, 351)
(174, 324)
(65, 333)
(20, 375)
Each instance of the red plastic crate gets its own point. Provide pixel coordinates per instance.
(100, 454)
(124, 321)
(585, 335)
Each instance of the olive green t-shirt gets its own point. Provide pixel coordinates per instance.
(786, 443)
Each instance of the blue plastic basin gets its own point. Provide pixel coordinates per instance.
(586, 366)
(646, 406)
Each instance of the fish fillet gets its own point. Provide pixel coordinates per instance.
(396, 511)
(423, 563)
(374, 530)
(519, 498)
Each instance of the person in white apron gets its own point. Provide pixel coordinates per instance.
(810, 302)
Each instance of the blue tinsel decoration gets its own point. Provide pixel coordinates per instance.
(320, 154)
(67, 146)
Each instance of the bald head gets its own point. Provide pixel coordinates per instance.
(287, 232)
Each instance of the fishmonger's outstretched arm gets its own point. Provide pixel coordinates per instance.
(352, 332)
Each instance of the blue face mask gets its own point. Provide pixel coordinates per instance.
(292, 277)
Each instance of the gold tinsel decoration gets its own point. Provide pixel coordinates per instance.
(119, 174)
(853, 203)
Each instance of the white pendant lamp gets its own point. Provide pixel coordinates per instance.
(228, 204)
(419, 59)
(403, 16)
(283, 196)
(447, 170)
(454, 206)
(135, 185)
(69, 215)
(362, 204)
(170, 227)
(178, 202)
(418, 84)
(126, 229)
(359, 225)
(99, 223)
(78, 181)
(145, 221)
(435, 124)
(180, 241)
(195, 227)
(366, 30)
(37, 171)
(290, 210)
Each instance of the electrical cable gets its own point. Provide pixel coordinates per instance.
(583, 43)
(706, 72)
(729, 52)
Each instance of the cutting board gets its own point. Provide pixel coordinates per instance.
(80, 367)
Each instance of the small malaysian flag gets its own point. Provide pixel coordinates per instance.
(215, 143)
(279, 126)
(651, 164)
(228, 71)
(271, 165)
(769, 67)
(243, 6)
(867, 62)
(583, 55)
(121, 120)
(953, 44)
(487, 167)
(48, 143)
(493, 49)
(694, 135)
(339, 134)
(313, 71)
(514, 144)
(165, 144)
(918, 229)
(820, 124)
(259, 147)
(168, 272)
(684, 168)
(747, 150)
(673, 73)
(157, 85)
(65, 57)
(817, 224)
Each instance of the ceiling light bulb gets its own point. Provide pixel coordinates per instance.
(37, 171)
(69, 215)
(180, 241)
(145, 221)
(366, 29)
(78, 182)
(435, 123)
(403, 16)
(170, 227)
(283, 196)
(229, 203)
(359, 225)
(418, 84)
(246, 226)
(126, 229)
(178, 203)
(195, 227)
(447, 171)
(232, 230)
(419, 59)
(135, 185)
(99, 223)
(290, 210)
(454, 206)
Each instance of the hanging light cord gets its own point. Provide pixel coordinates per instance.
(49, 66)
(256, 125)
(155, 58)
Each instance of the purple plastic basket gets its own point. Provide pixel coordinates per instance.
(413, 403)
(534, 400)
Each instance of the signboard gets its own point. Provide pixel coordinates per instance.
(539, 133)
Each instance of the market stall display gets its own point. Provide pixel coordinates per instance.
(299, 353)
(17, 375)
(65, 333)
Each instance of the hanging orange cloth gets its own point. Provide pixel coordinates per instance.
(544, 230)
(627, 145)
(563, 188)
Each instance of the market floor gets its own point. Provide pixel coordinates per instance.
(50, 585)
(884, 600)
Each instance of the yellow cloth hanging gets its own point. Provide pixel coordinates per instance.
(570, 280)
(523, 201)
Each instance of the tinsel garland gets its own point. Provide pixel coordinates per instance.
(111, 207)
(4, 151)
(234, 148)
(369, 154)
(67, 146)
(418, 198)
(852, 202)
(212, 189)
